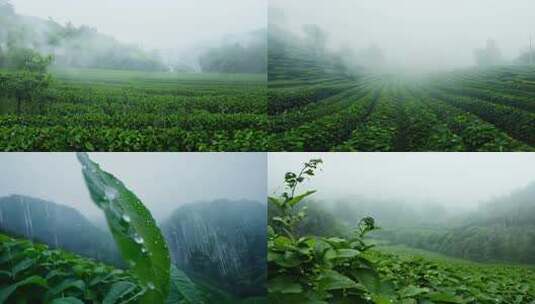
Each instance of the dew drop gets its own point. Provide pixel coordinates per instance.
(150, 285)
(138, 239)
(126, 218)
(110, 193)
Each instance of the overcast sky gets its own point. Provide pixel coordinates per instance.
(419, 33)
(458, 179)
(159, 24)
(163, 181)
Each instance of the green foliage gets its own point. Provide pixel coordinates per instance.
(306, 268)
(315, 106)
(96, 110)
(499, 230)
(313, 269)
(423, 277)
(183, 290)
(28, 60)
(25, 87)
(138, 238)
(58, 226)
(32, 273)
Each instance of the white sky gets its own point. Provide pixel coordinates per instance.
(163, 181)
(419, 33)
(458, 179)
(159, 24)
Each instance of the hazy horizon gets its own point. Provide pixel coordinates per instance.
(416, 34)
(159, 24)
(163, 181)
(461, 180)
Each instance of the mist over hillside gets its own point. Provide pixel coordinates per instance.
(71, 46)
(413, 36)
(85, 46)
(223, 248)
(58, 226)
(479, 208)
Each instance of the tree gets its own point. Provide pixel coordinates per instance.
(488, 56)
(28, 60)
(25, 86)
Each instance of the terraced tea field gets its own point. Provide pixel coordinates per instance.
(434, 278)
(462, 111)
(104, 110)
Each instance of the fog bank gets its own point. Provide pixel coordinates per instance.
(459, 180)
(415, 34)
(163, 181)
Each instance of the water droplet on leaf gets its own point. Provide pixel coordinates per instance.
(110, 193)
(138, 239)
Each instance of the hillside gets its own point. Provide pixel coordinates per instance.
(72, 46)
(58, 226)
(216, 241)
(502, 229)
(291, 58)
(324, 100)
(440, 279)
(350, 262)
(211, 241)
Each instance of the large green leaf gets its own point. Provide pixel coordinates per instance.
(369, 278)
(284, 284)
(67, 300)
(445, 297)
(138, 238)
(117, 291)
(331, 280)
(297, 199)
(21, 266)
(183, 290)
(7, 291)
(64, 285)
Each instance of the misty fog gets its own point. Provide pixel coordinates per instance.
(163, 181)
(457, 180)
(155, 35)
(417, 34)
(159, 24)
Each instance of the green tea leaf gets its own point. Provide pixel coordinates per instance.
(66, 284)
(412, 291)
(284, 284)
(297, 199)
(138, 238)
(117, 291)
(330, 280)
(183, 290)
(21, 266)
(68, 300)
(368, 278)
(7, 291)
(445, 298)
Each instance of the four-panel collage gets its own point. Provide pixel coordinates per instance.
(267, 151)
